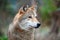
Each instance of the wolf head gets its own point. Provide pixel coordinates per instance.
(27, 18)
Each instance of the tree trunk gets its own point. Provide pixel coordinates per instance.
(56, 25)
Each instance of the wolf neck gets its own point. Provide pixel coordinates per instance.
(23, 34)
(17, 28)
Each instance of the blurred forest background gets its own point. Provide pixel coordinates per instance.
(48, 15)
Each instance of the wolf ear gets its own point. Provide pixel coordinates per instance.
(25, 7)
(20, 11)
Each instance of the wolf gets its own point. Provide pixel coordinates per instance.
(23, 24)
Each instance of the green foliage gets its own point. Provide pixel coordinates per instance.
(10, 9)
(3, 4)
(3, 38)
(46, 9)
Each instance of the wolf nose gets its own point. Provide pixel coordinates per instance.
(38, 24)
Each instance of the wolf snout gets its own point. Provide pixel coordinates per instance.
(38, 25)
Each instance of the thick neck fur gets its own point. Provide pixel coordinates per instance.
(19, 34)
(24, 35)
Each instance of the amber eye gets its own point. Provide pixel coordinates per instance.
(30, 16)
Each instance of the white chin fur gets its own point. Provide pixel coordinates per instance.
(24, 27)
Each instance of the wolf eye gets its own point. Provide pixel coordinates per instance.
(30, 16)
